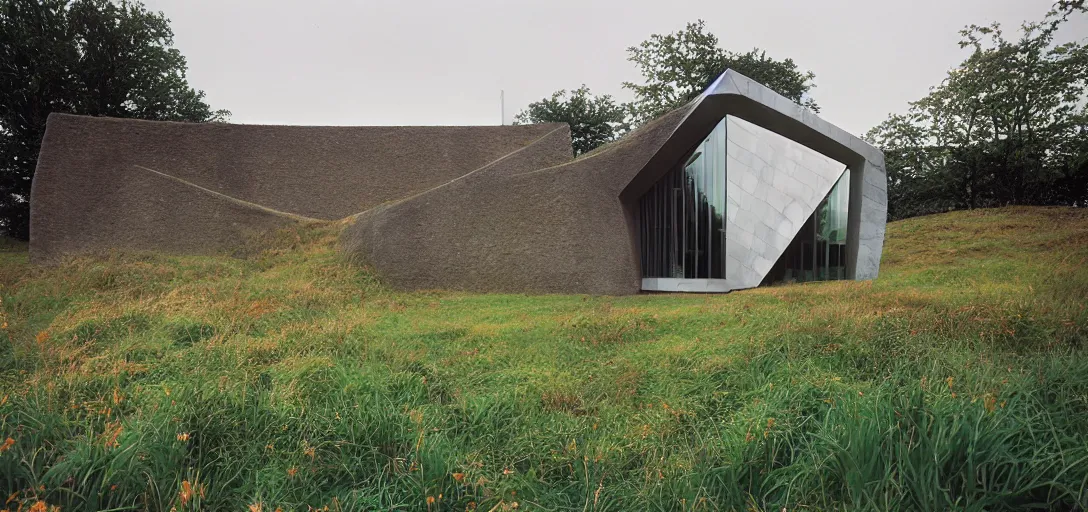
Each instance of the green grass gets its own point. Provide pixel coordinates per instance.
(285, 378)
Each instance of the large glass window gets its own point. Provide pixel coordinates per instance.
(818, 252)
(683, 216)
(775, 182)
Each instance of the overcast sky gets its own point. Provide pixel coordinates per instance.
(443, 62)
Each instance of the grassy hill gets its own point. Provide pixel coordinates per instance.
(282, 378)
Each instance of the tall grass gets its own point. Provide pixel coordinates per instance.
(282, 378)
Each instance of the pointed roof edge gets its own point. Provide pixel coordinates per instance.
(732, 83)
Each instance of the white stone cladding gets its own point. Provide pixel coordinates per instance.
(775, 184)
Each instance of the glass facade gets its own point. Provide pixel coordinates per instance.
(682, 217)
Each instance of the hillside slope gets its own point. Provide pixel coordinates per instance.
(282, 377)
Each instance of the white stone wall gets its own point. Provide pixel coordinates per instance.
(775, 184)
(874, 215)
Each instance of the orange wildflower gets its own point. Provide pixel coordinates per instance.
(8, 443)
(186, 493)
(42, 337)
(42, 506)
(113, 431)
(256, 507)
(459, 477)
(183, 437)
(292, 472)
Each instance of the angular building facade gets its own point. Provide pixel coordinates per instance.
(741, 187)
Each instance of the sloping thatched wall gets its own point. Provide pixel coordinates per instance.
(519, 225)
(106, 183)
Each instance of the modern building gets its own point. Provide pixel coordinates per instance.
(739, 188)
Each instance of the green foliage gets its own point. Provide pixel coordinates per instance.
(593, 120)
(1007, 126)
(90, 57)
(289, 378)
(678, 67)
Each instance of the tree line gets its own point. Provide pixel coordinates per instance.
(1008, 126)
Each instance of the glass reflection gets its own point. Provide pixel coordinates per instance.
(682, 217)
(818, 252)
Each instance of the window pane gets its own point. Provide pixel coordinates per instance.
(687, 232)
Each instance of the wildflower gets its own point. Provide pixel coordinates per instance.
(113, 431)
(507, 471)
(42, 337)
(8, 443)
(4, 325)
(183, 437)
(4, 400)
(186, 493)
(292, 472)
(256, 507)
(430, 500)
(310, 451)
(459, 477)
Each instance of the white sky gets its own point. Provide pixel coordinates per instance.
(443, 62)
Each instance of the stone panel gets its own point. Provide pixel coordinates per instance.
(792, 178)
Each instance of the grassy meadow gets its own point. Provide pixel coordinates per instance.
(282, 378)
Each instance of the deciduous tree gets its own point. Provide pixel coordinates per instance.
(593, 120)
(678, 67)
(1007, 126)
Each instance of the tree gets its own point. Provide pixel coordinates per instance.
(593, 120)
(90, 57)
(678, 67)
(1007, 126)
